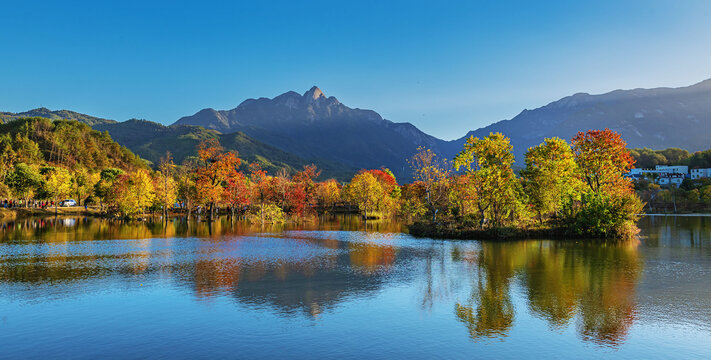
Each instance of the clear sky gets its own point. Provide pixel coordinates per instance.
(446, 67)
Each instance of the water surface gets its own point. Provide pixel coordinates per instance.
(88, 288)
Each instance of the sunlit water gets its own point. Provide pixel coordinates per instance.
(86, 288)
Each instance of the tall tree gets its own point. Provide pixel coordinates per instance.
(433, 172)
(237, 192)
(366, 191)
(57, 184)
(603, 158)
(166, 188)
(261, 189)
(327, 194)
(304, 189)
(102, 189)
(23, 180)
(83, 182)
(216, 166)
(132, 193)
(551, 176)
(488, 163)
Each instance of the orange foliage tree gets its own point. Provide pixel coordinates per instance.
(603, 158)
(216, 167)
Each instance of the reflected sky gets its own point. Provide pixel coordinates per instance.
(82, 287)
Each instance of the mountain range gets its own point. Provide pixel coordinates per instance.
(294, 129)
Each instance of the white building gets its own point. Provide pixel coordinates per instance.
(700, 173)
(673, 169)
(659, 170)
(663, 174)
(671, 179)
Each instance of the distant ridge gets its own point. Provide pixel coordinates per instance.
(293, 129)
(55, 115)
(655, 118)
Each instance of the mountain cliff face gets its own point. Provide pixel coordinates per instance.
(315, 126)
(655, 118)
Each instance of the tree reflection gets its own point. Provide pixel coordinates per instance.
(592, 282)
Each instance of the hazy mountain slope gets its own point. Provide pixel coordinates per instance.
(151, 140)
(55, 115)
(315, 126)
(654, 118)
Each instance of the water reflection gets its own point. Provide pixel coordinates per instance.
(308, 270)
(593, 284)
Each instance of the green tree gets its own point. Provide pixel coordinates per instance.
(23, 180)
(551, 177)
(488, 163)
(103, 187)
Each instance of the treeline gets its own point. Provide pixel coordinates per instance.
(647, 158)
(575, 188)
(690, 196)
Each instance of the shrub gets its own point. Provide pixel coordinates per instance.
(604, 215)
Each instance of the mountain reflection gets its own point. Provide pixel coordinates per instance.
(291, 271)
(310, 269)
(592, 284)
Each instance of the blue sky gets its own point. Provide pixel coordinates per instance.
(447, 67)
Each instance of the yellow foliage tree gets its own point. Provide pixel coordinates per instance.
(366, 191)
(132, 193)
(57, 184)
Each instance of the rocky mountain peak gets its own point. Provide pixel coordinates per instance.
(314, 93)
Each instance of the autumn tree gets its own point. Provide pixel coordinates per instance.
(366, 191)
(463, 196)
(102, 189)
(165, 186)
(261, 189)
(7, 156)
(433, 173)
(132, 193)
(186, 184)
(603, 158)
(57, 184)
(237, 192)
(83, 182)
(488, 163)
(551, 177)
(303, 189)
(609, 207)
(412, 205)
(328, 193)
(216, 166)
(388, 200)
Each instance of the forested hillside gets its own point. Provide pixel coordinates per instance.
(151, 141)
(65, 143)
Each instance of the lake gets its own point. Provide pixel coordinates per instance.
(88, 288)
